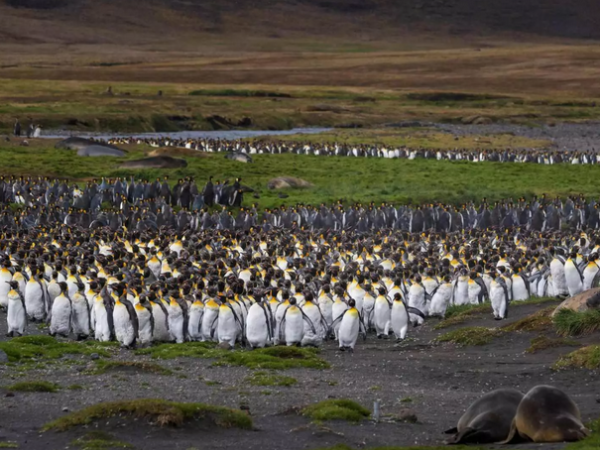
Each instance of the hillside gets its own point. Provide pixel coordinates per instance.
(217, 24)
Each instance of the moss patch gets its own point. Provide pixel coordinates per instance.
(584, 358)
(456, 315)
(130, 366)
(8, 444)
(159, 412)
(341, 409)
(270, 379)
(543, 342)
(276, 358)
(538, 321)
(99, 440)
(470, 336)
(34, 386)
(572, 323)
(46, 347)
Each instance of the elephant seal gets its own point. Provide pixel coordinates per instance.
(547, 414)
(100, 150)
(239, 157)
(488, 419)
(155, 162)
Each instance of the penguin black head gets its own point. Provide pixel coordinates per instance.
(63, 286)
(13, 284)
(351, 303)
(293, 301)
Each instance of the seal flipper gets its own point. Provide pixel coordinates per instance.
(514, 437)
(451, 431)
(471, 436)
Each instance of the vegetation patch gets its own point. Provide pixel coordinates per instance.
(470, 336)
(341, 409)
(159, 412)
(99, 440)
(592, 442)
(270, 379)
(130, 366)
(538, 321)
(238, 93)
(46, 347)
(8, 444)
(583, 358)
(572, 323)
(458, 314)
(34, 386)
(543, 342)
(276, 358)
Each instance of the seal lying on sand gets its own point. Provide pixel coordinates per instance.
(547, 414)
(488, 419)
(155, 162)
(87, 147)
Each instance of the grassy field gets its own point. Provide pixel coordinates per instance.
(334, 178)
(277, 90)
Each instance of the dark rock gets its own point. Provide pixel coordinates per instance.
(94, 356)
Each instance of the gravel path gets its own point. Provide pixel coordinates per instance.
(435, 382)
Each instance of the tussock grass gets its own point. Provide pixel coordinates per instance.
(34, 386)
(276, 358)
(572, 323)
(8, 444)
(159, 412)
(270, 379)
(470, 336)
(46, 348)
(538, 321)
(130, 366)
(339, 409)
(584, 358)
(543, 342)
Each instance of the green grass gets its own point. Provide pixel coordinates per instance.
(591, 442)
(468, 336)
(583, 358)
(334, 178)
(99, 440)
(276, 358)
(159, 412)
(341, 409)
(270, 379)
(572, 323)
(34, 386)
(28, 348)
(130, 366)
(543, 342)
(8, 444)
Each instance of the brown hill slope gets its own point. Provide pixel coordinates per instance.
(208, 24)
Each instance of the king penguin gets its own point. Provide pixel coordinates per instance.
(350, 327)
(399, 318)
(17, 313)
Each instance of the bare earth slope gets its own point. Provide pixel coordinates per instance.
(175, 22)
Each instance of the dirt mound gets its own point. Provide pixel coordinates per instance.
(288, 182)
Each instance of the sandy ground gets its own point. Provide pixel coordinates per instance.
(437, 382)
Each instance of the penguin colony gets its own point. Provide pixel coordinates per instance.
(539, 156)
(141, 273)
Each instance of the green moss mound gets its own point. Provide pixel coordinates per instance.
(572, 323)
(34, 386)
(543, 342)
(159, 412)
(538, 321)
(341, 409)
(458, 314)
(583, 358)
(470, 336)
(45, 347)
(276, 358)
(99, 440)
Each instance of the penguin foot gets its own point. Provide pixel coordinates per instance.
(342, 349)
(398, 340)
(82, 337)
(497, 318)
(379, 336)
(9, 334)
(350, 350)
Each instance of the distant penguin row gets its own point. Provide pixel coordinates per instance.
(523, 155)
